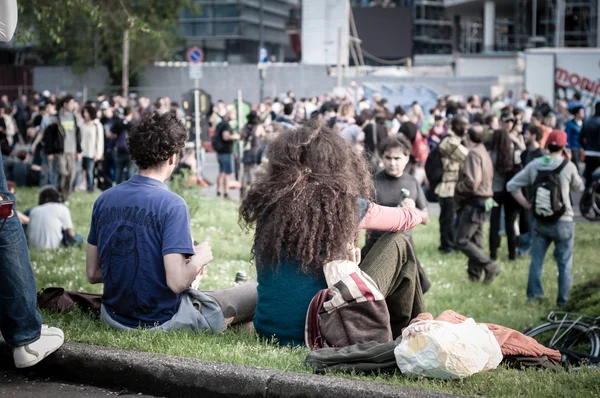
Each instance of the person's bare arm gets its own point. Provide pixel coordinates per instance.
(92, 265)
(228, 136)
(181, 271)
(520, 198)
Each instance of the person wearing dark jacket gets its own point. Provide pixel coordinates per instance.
(62, 142)
(473, 195)
(589, 138)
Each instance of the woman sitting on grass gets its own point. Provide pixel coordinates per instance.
(307, 210)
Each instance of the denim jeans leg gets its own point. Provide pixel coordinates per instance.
(119, 166)
(563, 254)
(539, 246)
(88, 164)
(20, 323)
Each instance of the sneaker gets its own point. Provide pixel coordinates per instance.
(28, 355)
(491, 272)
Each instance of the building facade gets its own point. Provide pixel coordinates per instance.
(231, 30)
(515, 25)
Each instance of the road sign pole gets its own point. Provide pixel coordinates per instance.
(197, 127)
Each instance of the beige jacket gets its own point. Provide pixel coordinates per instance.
(453, 156)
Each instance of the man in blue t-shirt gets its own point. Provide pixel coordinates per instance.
(140, 245)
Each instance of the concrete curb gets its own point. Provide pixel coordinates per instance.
(164, 375)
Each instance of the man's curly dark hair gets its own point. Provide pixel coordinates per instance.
(156, 138)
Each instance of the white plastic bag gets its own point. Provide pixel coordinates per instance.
(443, 350)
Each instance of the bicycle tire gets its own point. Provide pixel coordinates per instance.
(576, 332)
(589, 205)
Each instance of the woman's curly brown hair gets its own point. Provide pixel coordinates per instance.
(307, 205)
(155, 139)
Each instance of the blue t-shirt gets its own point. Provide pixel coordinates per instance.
(134, 225)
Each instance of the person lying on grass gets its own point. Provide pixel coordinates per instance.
(306, 210)
(140, 245)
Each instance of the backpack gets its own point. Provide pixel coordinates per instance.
(548, 204)
(434, 168)
(353, 311)
(217, 139)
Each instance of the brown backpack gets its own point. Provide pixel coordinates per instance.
(59, 299)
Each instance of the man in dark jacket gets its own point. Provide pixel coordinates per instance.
(589, 138)
(473, 195)
(62, 142)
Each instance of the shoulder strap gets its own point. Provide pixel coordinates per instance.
(561, 167)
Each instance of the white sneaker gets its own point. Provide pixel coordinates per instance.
(28, 355)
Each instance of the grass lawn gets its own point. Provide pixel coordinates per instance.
(503, 302)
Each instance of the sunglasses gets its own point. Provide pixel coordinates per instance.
(6, 210)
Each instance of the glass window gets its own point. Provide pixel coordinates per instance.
(203, 11)
(227, 11)
(226, 28)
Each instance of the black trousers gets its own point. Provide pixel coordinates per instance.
(511, 211)
(447, 215)
(469, 238)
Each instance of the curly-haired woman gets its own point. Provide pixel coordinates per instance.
(307, 209)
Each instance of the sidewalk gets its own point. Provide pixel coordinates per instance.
(163, 375)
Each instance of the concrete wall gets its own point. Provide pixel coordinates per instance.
(479, 66)
(223, 81)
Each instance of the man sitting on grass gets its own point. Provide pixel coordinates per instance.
(50, 224)
(140, 245)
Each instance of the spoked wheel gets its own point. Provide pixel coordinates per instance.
(568, 338)
(590, 202)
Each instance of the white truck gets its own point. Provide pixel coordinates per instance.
(557, 73)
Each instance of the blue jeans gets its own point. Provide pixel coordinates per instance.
(88, 166)
(71, 241)
(124, 162)
(20, 323)
(562, 233)
(48, 174)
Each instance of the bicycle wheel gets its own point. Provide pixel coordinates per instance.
(590, 202)
(567, 336)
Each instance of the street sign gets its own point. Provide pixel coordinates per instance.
(195, 71)
(263, 55)
(195, 55)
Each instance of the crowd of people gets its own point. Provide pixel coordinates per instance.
(315, 171)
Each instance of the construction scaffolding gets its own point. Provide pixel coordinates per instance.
(432, 29)
(580, 24)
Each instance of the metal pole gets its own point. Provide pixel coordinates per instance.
(534, 18)
(598, 23)
(339, 58)
(559, 39)
(241, 144)
(197, 127)
(261, 37)
(126, 63)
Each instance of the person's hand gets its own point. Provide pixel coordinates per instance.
(50, 158)
(567, 154)
(425, 217)
(354, 254)
(409, 203)
(203, 254)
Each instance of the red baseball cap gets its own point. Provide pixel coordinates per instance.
(557, 138)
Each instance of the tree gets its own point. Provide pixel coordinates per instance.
(86, 33)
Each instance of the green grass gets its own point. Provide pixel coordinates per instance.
(504, 302)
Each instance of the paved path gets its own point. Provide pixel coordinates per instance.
(24, 385)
